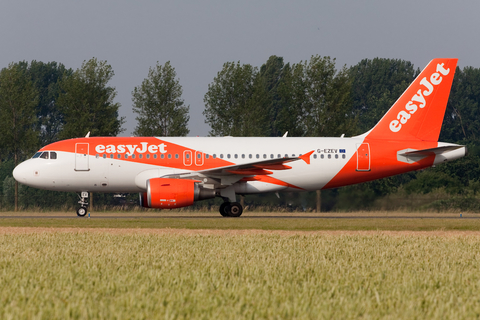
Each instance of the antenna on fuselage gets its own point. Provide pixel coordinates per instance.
(88, 135)
(285, 135)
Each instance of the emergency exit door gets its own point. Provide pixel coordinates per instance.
(81, 157)
(363, 157)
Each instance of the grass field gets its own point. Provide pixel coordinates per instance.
(204, 267)
(62, 275)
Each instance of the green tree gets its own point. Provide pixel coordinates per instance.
(272, 76)
(376, 85)
(236, 102)
(87, 102)
(318, 99)
(158, 103)
(46, 78)
(18, 98)
(462, 122)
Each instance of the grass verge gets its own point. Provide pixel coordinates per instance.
(96, 275)
(301, 224)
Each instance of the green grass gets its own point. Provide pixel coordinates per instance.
(303, 224)
(95, 275)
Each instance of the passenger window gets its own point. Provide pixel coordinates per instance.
(187, 156)
(119, 156)
(207, 156)
(258, 156)
(343, 156)
(176, 155)
(148, 156)
(133, 156)
(329, 156)
(126, 156)
(104, 156)
(155, 156)
(322, 156)
(271, 156)
(53, 155)
(264, 156)
(236, 156)
(214, 156)
(199, 156)
(243, 156)
(336, 156)
(228, 156)
(140, 156)
(279, 155)
(111, 156)
(250, 156)
(221, 155)
(314, 156)
(169, 156)
(286, 155)
(161, 156)
(44, 155)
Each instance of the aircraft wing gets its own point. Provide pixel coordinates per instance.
(225, 176)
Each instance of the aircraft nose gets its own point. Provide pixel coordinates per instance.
(22, 173)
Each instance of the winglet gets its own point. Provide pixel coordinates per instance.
(306, 157)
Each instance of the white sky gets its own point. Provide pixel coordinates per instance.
(199, 36)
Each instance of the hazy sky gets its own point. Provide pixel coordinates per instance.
(197, 37)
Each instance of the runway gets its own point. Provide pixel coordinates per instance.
(246, 217)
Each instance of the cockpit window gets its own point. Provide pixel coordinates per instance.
(36, 155)
(53, 155)
(44, 155)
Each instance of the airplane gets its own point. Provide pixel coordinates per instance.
(174, 172)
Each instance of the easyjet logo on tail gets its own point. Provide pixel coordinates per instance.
(418, 100)
(131, 149)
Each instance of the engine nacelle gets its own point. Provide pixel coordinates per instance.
(167, 193)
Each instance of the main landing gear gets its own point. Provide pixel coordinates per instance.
(82, 211)
(231, 209)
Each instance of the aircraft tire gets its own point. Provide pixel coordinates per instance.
(224, 209)
(235, 210)
(82, 211)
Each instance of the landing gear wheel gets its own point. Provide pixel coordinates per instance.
(231, 209)
(236, 209)
(224, 209)
(82, 211)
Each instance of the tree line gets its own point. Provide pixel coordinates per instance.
(45, 102)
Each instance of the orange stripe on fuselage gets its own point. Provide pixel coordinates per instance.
(384, 163)
(142, 146)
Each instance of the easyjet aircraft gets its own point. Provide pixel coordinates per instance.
(174, 172)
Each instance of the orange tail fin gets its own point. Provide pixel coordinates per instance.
(418, 113)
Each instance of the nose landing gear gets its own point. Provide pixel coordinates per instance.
(82, 211)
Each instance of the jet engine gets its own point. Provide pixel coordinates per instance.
(167, 193)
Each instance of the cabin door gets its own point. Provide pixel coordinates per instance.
(363, 157)
(81, 157)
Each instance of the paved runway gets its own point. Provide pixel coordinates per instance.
(245, 217)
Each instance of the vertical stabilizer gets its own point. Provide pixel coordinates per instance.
(418, 113)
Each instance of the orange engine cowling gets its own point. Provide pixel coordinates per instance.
(167, 193)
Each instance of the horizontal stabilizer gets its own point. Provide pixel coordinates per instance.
(437, 150)
(442, 153)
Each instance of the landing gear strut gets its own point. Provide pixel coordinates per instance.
(231, 209)
(82, 211)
